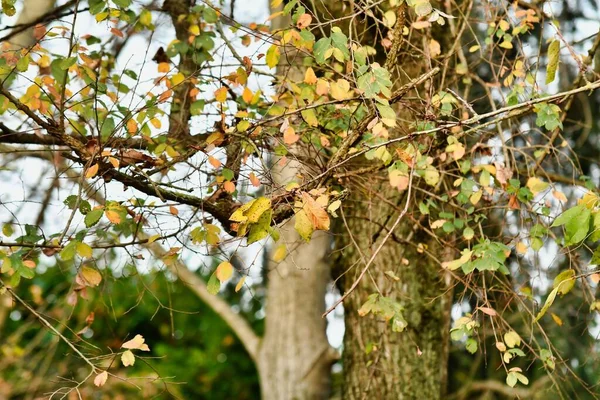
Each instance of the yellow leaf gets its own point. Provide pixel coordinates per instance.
(536, 185)
(434, 48)
(113, 216)
(194, 30)
(224, 271)
(257, 208)
(475, 197)
(521, 248)
(303, 225)
(101, 379)
(91, 276)
(273, 54)
(177, 79)
(556, 319)
(127, 358)
(114, 162)
(91, 171)
(239, 215)
(456, 264)
(153, 238)
(512, 339)
(389, 18)
(309, 76)
(240, 284)
(221, 94)
(280, 253)
(340, 89)
(84, 250)
(322, 87)
(156, 123)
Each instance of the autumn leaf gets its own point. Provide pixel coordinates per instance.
(137, 343)
(315, 212)
(91, 171)
(221, 95)
(289, 136)
(101, 378)
(229, 186)
(303, 21)
(224, 271)
(90, 276)
(127, 358)
(309, 76)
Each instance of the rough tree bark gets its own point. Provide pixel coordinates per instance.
(380, 363)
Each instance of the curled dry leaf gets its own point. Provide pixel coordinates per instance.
(137, 343)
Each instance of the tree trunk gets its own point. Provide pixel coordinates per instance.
(295, 358)
(380, 363)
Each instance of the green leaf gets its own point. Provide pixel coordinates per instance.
(553, 58)
(93, 217)
(68, 252)
(564, 281)
(547, 304)
(122, 3)
(67, 63)
(213, 285)
(108, 127)
(320, 49)
(577, 224)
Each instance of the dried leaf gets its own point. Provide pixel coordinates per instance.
(101, 378)
(127, 358)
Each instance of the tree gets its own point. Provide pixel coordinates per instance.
(420, 138)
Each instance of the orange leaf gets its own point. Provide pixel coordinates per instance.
(214, 161)
(289, 136)
(173, 210)
(132, 126)
(164, 67)
(254, 180)
(165, 95)
(247, 95)
(92, 171)
(304, 21)
(116, 32)
(315, 212)
(113, 216)
(229, 187)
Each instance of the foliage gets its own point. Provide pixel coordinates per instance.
(456, 117)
